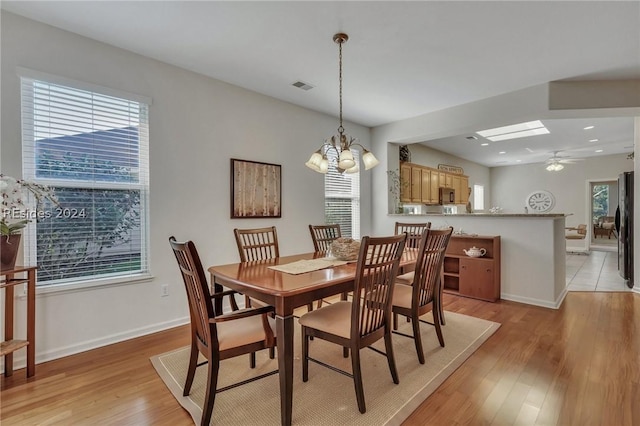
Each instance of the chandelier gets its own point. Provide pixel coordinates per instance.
(340, 143)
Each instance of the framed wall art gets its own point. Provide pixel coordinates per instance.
(256, 189)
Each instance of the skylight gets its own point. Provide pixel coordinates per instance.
(514, 131)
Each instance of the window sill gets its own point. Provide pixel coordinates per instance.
(91, 284)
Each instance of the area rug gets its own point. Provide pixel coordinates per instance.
(328, 398)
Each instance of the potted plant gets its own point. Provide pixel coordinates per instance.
(15, 195)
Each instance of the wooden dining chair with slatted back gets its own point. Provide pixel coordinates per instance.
(414, 233)
(423, 295)
(322, 237)
(366, 319)
(218, 337)
(258, 244)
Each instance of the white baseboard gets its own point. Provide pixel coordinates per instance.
(536, 302)
(20, 359)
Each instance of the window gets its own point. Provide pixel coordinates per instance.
(91, 146)
(342, 197)
(478, 197)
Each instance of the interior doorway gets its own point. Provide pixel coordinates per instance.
(604, 202)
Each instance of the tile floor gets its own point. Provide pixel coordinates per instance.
(596, 271)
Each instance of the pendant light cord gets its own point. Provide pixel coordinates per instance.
(340, 129)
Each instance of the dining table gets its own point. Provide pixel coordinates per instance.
(286, 292)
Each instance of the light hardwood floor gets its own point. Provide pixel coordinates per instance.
(578, 365)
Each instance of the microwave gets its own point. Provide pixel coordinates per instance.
(447, 196)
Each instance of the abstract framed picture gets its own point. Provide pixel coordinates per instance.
(256, 189)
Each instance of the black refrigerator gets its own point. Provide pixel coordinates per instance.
(624, 226)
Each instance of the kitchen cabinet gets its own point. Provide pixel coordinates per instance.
(405, 182)
(416, 185)
(421, 185)
(475, 277)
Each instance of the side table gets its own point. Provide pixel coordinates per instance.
(10, 344)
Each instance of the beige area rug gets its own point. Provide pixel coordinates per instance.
(328, 398)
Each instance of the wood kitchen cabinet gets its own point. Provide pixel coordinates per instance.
(421, 185)
(475, 277)
(405, 182)
(416, 185)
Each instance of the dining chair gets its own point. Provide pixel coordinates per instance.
(322, 237)
(218, 337)
(413, 301)
(364, 320)
(414, 232)
(258, 244)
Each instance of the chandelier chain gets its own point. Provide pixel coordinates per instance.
(340, 129)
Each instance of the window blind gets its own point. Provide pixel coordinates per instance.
(92, 148)
(342, 197)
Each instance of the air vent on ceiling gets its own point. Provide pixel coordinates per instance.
(471, 138)
(302, 85)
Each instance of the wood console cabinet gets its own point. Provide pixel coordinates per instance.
(476, 277)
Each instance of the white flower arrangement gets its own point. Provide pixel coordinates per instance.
(15, 211)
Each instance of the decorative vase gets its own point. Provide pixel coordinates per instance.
(9, 245)
(345, 248)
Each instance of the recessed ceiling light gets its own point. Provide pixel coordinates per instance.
(514, 131)
(484, 144)
(518, 161)
(599, 150)
(502, 152)
(593, 140)
(589, 127)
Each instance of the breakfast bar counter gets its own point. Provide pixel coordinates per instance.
(533, 250)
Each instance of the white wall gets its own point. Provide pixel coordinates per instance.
(196, 125)
(512, 184)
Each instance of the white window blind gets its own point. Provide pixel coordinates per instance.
(342, 197)
(92, 148)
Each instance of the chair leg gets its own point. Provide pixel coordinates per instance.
(395, 321)
(252, 360)
(191, 372)
(309, 307)
(438, 329)
(417, 338)
(357, 379)
(388, 345)
(319, 304)
(272, 353)
(345, 352)
(305, 355)
(210, 394)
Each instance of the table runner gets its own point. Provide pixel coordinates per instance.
(308, 265)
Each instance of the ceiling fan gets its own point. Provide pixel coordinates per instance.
(555, 163)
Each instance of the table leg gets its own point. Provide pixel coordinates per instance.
(31, 323)
(284, 330)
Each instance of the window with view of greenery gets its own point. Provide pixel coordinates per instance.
(600, 201)
(342, 197)
(92, 148)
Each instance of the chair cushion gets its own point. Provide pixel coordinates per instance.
(402, 295)
(406, 278)
(607, 225)
(334, 319)
(244, 331)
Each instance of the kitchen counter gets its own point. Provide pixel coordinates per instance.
(496, 215)
(533, 248)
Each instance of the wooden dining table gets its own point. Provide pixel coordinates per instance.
(286, 292)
